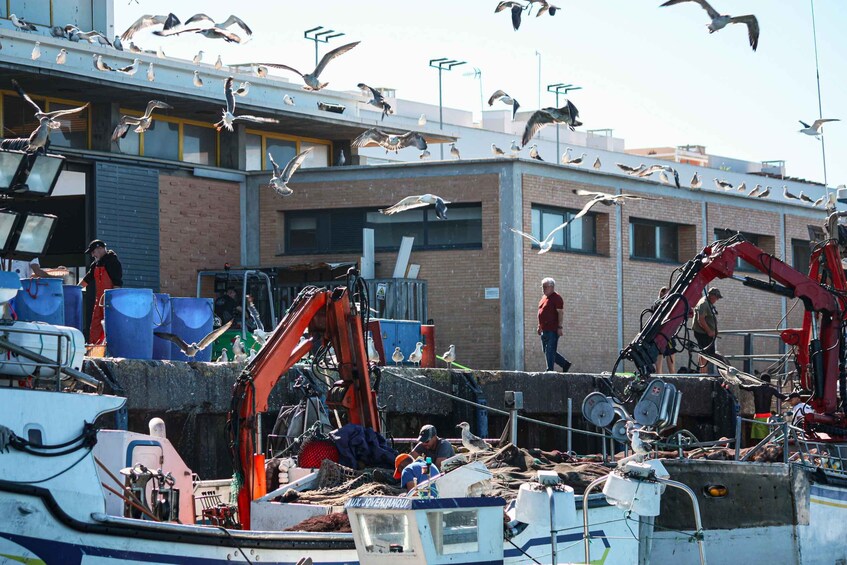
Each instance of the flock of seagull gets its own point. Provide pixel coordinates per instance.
(206, 26)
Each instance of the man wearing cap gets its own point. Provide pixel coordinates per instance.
(432, 446)
(105, 273)
(412, 473)
(705, 325)
(799, 409)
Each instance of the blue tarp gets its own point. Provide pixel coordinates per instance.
(360, 447)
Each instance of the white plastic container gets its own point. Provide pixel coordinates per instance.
(533, 506)
(72, 348)
(640, 496)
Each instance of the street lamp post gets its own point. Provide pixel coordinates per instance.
(557, 89)
(443, 64)
(320, 35)
(820, 105)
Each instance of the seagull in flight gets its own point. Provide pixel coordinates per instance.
(311, 79)
(377, 99)
(142, 123)
(567, 114)
(192, 349)
(280, 178)
(500, 96)
(169, 22)
(721, 21)
(390, 142)
(633, 170)
(46, 120)
(815, 128)
(412, 202)
(230, 21)
(516, 8)
(546, 7)
(228, 116)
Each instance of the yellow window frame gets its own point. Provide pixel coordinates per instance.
(263, 135)
(45, 102)
(180, 132)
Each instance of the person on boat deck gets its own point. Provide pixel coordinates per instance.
(705, 325)
(799, 409)
(432, 446)
(413, 472)
(763, 394)
(105, 273)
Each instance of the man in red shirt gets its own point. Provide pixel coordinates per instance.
(551, 315)
(105, 273)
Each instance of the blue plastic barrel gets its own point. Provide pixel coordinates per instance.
(41, 300)
(129, 322)
(73, 306)
(161, 323)
(192, 319)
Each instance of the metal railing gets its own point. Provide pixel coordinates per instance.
(778, 430)
(749, 341)
(830, 457)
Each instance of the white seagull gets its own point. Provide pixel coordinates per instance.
(99, 64)
(412, 202)
(36, 51)
(496, 151)
(219, 63)
(198, 58)
(501, 96)
(416, 355)
(228, 114)
(788, 194)
(280, 178)
(633, 170)
(470, 441)
(597, 198)
(695, 181)
(22, 24)
(721, 21)
(130, 69)
(449, 356)
(142, 123)
(151, 75)
(243, 88)
(597, 164)
(454, 151)
(373, 354)
(288, 100)
(422, 120)
(192, 349)
(815, 128)
(533, 153)
(397, 356)
(46, 120)
(576, 162)
(515, 149)
(723, 184)
(198, 82)
(311, 79)
(62, 56)
(390, 142)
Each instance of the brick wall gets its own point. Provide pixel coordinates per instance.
(200, 228)
(456, 278)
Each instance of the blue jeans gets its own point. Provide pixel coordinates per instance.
(549, 343)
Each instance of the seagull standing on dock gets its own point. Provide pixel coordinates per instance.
(720, 21)
(397, 356)
(471, 442)
(416, 355)
(450, 356)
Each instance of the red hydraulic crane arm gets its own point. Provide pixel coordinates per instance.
(719, 261)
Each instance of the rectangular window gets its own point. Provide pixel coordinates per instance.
(34, 12)
(740, 264)
(579, 236)
(161, 140)
(801, 254)
(455, 531)
(340, 230)
(199, 145)
(657, 241)
(386, 533)
(253, 150)
(282, 151)
(319, 157)
(74, 130)
(18, 119)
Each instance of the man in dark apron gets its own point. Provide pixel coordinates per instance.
(105, 273)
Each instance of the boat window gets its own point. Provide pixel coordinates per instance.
(386, 533)
(454, 531)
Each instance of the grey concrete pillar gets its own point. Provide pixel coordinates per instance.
(234, 148)
(511, 270)
(104, 117)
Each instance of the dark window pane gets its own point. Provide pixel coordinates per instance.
(18, 119)
(345, 229)
(463, 226)
(302, 233)
(199, 145)
(283, 151)
(643, 241)
(74, 130)
(801, 254)
(667, 241)
(390, 230)
(161, 140)
(582, 234)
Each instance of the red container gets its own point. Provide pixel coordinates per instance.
(428, 339)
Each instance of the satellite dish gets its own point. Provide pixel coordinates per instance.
(598, 409)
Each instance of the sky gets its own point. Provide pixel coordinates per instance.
(655, 76)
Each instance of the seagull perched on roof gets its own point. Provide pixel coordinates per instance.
(471, 442)
(515, 148)
(723, 184)
(280, 178)
(721, 21)
(422, 120)
(815, 128)
(36, 51)
(567, 114)
(695, 181)
(788, 194)
(533, 153)
(242, 89)
(454, 151)
(390, 142)
(496, 151)
(597, 198)
(142, 123)
(377, 99)
(62, 56)
(805, 198)
(288, 100)
(397, 356)
(412, 202)
(662, 170)
(198, 58)
(516, 9)
(192, 349)
(566, 158)
(198, 82)
(130, 69)
(229, 116)
(500, 96)
(311, 79)
(741, 187)
(756, 190)
(219, 63)
(99, 64)
(46, 120)
(151, 74)
(22, 24)
(597, 164)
